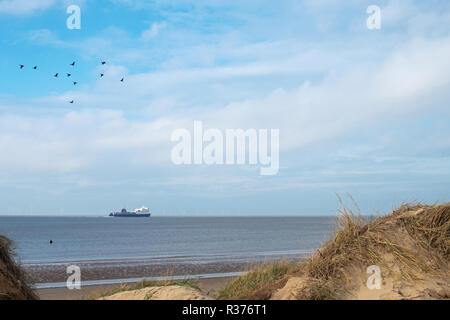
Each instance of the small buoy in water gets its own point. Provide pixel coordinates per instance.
(51, 241)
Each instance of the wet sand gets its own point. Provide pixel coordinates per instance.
(57, 273)
(208, 286)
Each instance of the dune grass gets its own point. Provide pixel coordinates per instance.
(14, 283)
(256, 283)
(358, 244)
(432, 230)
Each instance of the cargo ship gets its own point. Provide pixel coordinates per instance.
(141, 213)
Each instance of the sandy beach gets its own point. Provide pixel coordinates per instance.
(210, 282)
(209, 286)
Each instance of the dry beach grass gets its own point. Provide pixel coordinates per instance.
(13, 280)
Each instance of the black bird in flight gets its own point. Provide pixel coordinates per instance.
(21, 66)
(56, 75)
(121, 80)
(73, 64)
(35, 67)
(71, 101)
(68, 74)
(75, 83)
(101, 75)
(103, 62)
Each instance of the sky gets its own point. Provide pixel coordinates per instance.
(360, 112)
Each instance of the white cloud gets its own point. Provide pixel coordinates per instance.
(413, 77)
(28, 7)
(78, 140)
(23, 7)
(153, 31)
(332, 89)
(416, 18)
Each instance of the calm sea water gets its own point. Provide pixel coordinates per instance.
(189, 239)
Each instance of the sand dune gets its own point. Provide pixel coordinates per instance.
(160, 293)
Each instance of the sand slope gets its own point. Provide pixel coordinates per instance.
(160, 293)
(391, 289)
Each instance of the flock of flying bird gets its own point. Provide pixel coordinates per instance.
(21, 66)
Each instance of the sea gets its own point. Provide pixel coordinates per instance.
(162, 239)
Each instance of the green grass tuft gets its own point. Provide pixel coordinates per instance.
(255, 283)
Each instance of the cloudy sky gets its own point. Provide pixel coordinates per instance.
(360, 111)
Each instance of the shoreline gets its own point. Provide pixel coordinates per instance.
(58, 285)
(101, 273)
(210, 286)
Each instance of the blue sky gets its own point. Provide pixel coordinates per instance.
(360, 111)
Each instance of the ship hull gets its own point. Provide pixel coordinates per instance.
(130, 215)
